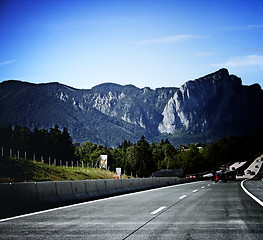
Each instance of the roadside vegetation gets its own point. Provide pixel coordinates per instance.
(53, 154)
(21, 170)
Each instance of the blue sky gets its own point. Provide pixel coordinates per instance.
(144, 43)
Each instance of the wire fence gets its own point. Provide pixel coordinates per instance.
(17, 154)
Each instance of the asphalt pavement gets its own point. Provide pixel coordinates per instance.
(200, 210)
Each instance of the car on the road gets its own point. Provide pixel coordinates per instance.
(196, 175)
(221, 176)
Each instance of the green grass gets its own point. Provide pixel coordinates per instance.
(21, 170)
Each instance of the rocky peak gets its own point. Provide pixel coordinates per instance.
(197, 101)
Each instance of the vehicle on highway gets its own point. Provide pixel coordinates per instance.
(224, 175)
(196, 175)
(220, 176)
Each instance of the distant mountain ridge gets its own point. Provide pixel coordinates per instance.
(209, 107)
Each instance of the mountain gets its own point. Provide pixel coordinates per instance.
(200, 110)
(215, 102)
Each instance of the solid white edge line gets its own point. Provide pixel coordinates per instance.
(158, 210)
(250, 194)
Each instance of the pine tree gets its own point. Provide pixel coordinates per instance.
(67, 150)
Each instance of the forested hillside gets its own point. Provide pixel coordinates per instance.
(55, 147)
(143, 158)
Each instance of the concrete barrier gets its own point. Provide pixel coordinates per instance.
(126, 185)
(7, 202)
(135, 185)
(149, 183)
(17, 198)
(65, 192)
(47, 193)
(175, 180)
(157, 182)
(91, 188)
(110, 187)
(101, 188)
(144, 183)
(122, 186)
(118, 184)
(25, 194)
(106, 187)
(167, 181)
(6, 192)
(79, 190)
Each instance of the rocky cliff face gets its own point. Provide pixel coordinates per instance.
(216, 101)
(109, 113)
(198, 104)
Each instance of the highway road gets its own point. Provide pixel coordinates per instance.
(200, 210)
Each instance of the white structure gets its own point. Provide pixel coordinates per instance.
(103, 161)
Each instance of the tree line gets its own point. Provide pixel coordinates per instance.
(137, 159)
(38, 144)
(144, 158)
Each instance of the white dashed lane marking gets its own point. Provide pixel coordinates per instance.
(158, 210)
(182, 197)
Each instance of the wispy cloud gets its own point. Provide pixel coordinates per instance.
(241, 61)
(169, 39)
(7, 62)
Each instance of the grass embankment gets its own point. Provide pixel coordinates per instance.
(21, 170)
